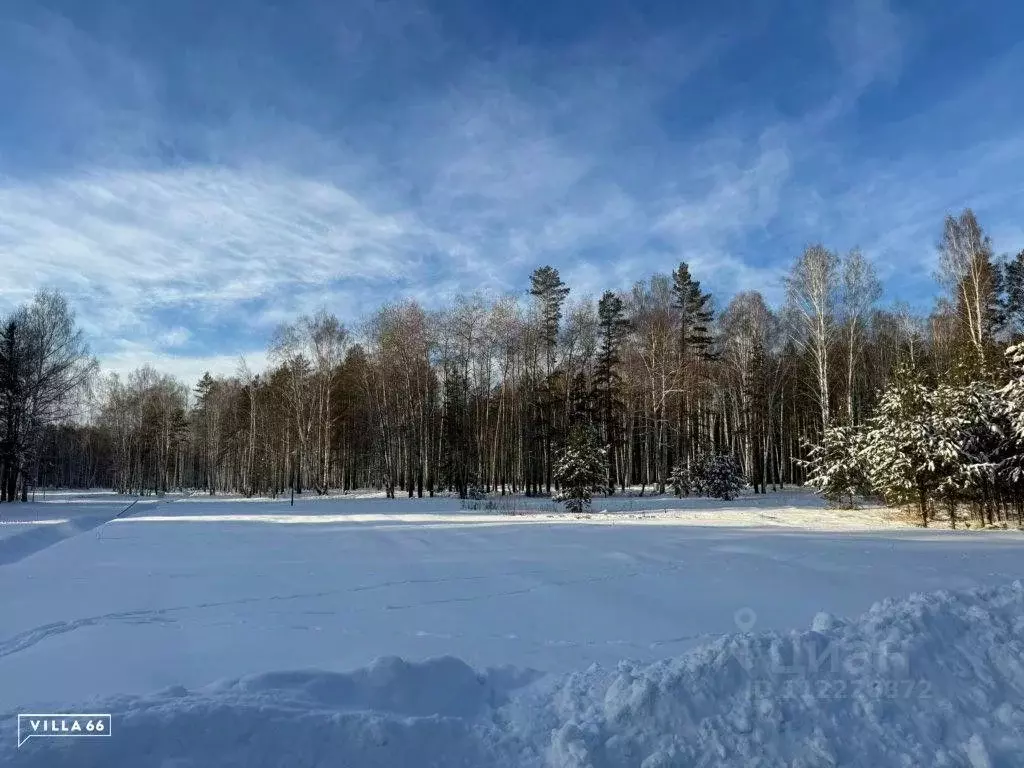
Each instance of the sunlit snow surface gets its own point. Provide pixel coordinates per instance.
(213, 605)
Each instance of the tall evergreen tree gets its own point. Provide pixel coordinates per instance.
(613, 327)
(696, 313)
(207, 433)
(547, 288)
(1013, 297)
(457, 468)
(550, 292)
(694, 350)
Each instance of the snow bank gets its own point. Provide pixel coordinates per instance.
(933, 680)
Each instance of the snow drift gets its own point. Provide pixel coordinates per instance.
(932, 680)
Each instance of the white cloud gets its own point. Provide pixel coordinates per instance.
(129, 241)
(894, 211)
(174, 337)
(471, 187)
(741, 196)
(524, 159)
(129, 356)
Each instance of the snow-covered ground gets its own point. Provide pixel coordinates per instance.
(214, 604)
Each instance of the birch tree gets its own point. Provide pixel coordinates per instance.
(812, 291)
(44, 365)
(860, 290)
(967, 271)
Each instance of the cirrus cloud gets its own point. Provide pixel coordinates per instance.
(191, 181)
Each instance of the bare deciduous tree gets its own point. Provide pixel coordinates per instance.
(861, 289)
(812, 290)
(967, 272)
(44, 365)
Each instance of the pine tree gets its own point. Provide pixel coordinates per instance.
(547, 287)
(580, 468)
(696, 313)
(613, 328)
(693, 346)
(550, 292)
(206, 431)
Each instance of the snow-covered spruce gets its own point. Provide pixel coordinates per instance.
(1013, 393)
(948, 445)
(910, 446)
(935, 679)
(716, 475)
(580, 469)
(679, 480)
(836, 466)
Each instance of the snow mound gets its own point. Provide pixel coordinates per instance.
(935, 679)
(445, 687)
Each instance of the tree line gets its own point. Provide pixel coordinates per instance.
(481, 395)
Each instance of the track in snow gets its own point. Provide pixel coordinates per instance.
(152, 603)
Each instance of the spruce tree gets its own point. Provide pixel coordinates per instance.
(835, 466)
(680, 480)
(1010, 465)
(580, 468)
(971, 416)
(1013, 393)
(457, 464)
(909, 449)
(13, 354)
(717, 476)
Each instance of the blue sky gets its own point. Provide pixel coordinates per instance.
(193, 173)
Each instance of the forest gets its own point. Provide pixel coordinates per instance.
(478, 397)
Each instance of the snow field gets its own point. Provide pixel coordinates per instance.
(935, 679)
(483, 639)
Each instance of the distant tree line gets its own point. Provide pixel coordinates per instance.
(482, 395)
